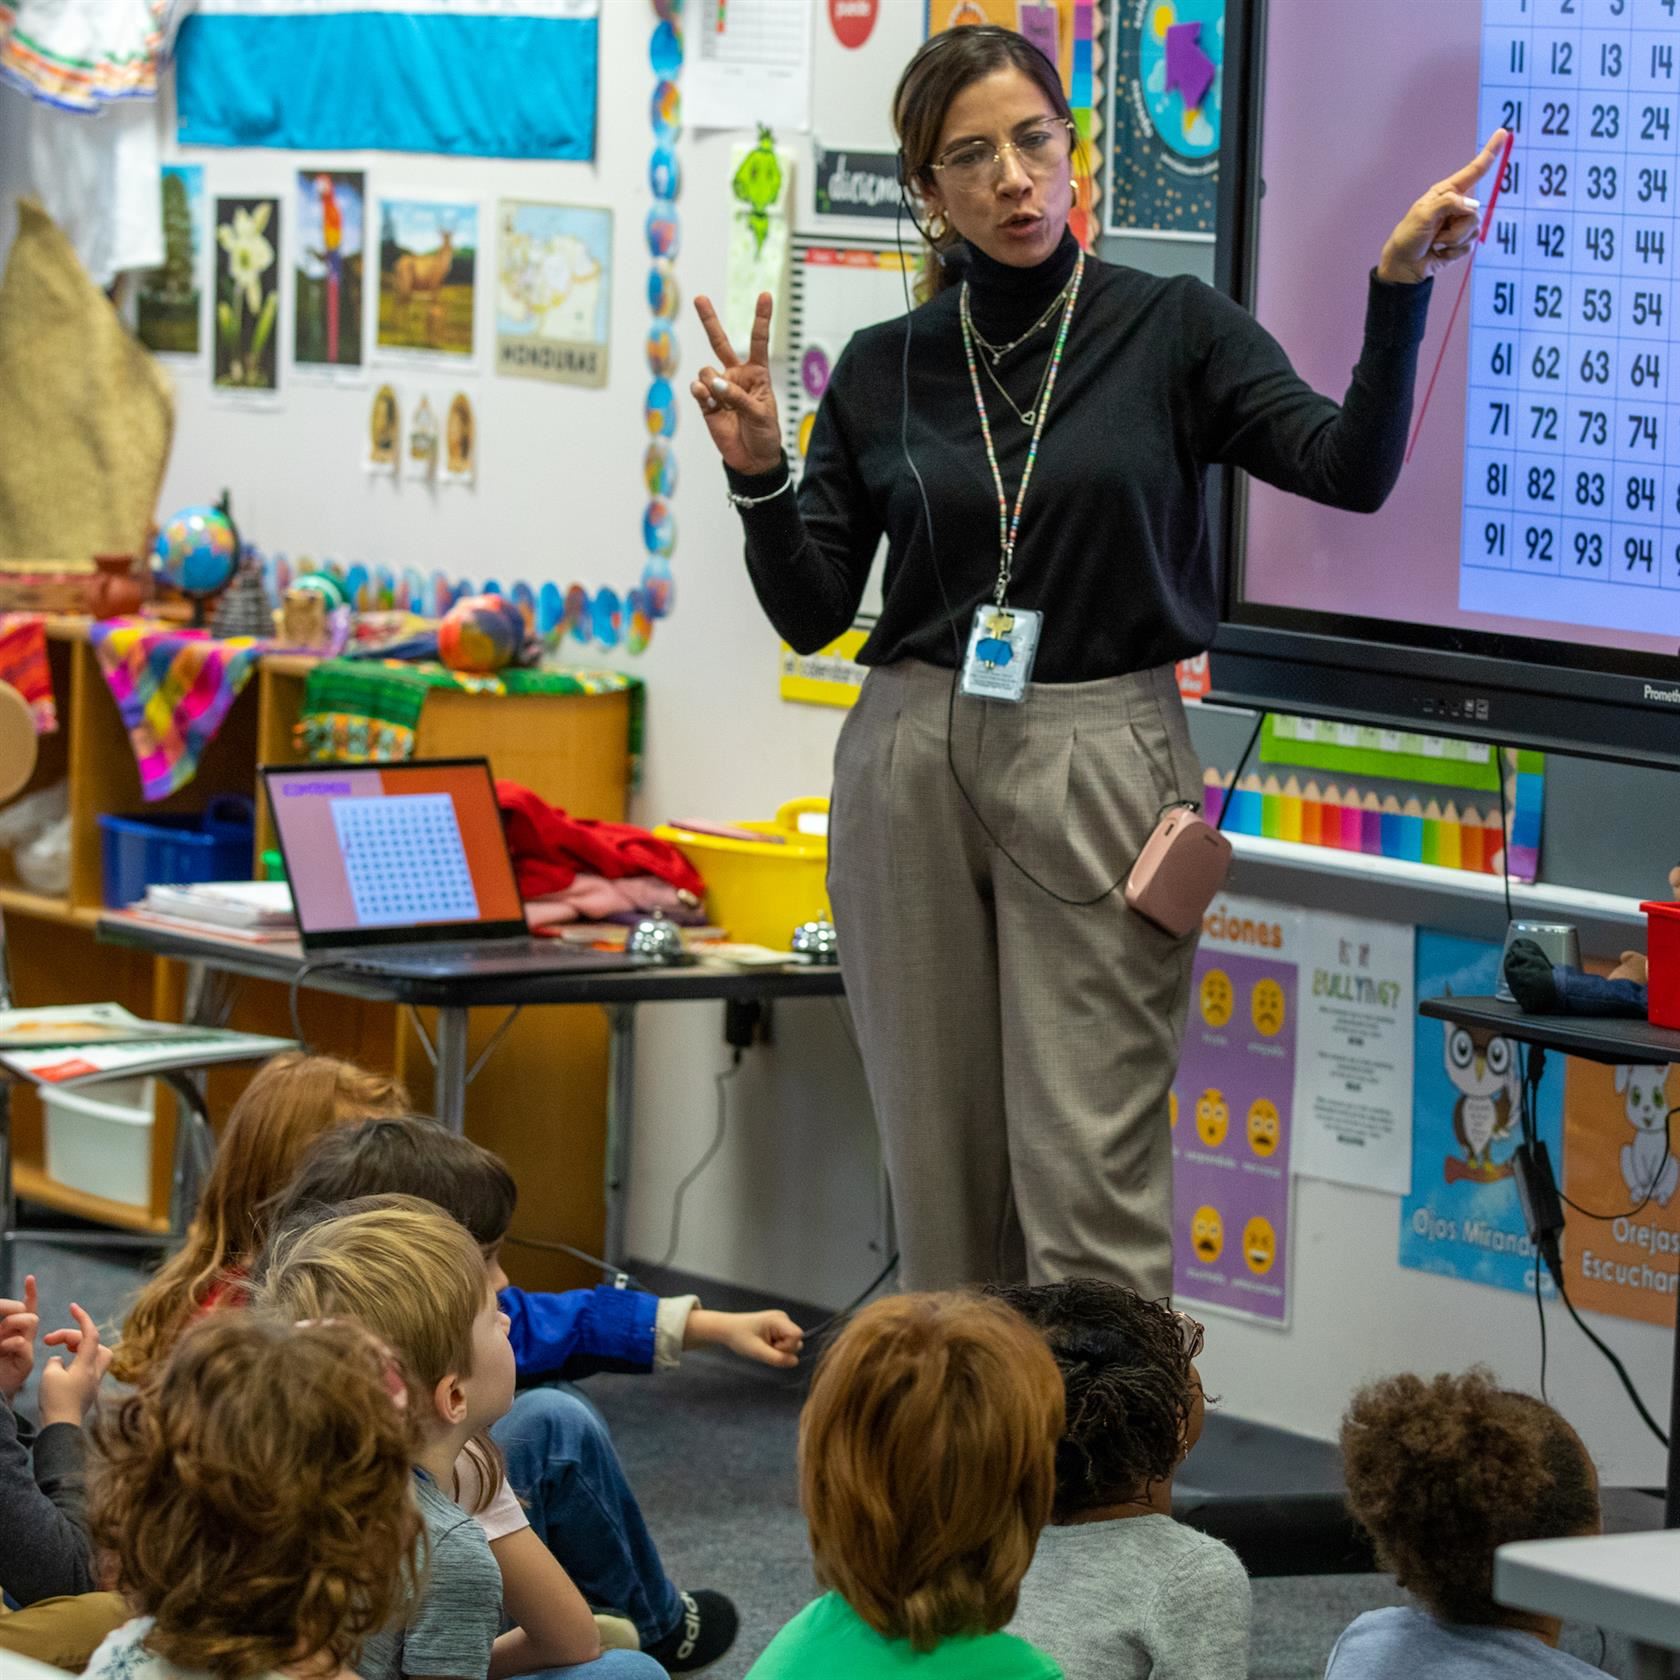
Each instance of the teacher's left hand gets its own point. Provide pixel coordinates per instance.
(1441, 228)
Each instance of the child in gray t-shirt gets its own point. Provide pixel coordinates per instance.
(1118, 1590)
(1441, 1472)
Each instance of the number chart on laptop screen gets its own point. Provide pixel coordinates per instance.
(393, 847)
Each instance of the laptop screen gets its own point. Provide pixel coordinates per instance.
(387, 854)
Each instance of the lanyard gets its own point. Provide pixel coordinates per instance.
(1009, 526)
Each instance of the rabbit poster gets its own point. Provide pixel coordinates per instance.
(428, 280)
(1619, 1163)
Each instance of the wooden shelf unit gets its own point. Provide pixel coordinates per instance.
(540, 1101)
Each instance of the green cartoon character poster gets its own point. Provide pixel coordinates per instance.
(762, 187)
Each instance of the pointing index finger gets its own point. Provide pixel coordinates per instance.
(1464, 179)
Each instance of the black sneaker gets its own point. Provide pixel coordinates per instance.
(707, 1629)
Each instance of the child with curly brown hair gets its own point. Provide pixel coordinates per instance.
(926, 1470)
(255, 1497)
(1442, 1471)
(1118, 1588)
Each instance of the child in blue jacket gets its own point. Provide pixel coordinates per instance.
(560, 1457)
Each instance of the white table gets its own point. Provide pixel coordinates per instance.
(1624, 1583)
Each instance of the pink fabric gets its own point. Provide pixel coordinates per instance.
(593, 898)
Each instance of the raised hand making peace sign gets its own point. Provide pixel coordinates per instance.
(737, 400)
(1441, 227)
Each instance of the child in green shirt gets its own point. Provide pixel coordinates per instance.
(927, 1467)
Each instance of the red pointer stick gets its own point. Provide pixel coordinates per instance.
(1463, 285)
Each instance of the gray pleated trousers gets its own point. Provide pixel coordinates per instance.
(1019, 1051)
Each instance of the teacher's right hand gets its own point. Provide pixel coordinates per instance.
(737, 400)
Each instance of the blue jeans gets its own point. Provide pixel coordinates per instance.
(610, 1665)
(561, 1462)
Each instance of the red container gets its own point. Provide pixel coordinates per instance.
(1662, 952)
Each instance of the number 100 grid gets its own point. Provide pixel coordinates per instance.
(1572, 437)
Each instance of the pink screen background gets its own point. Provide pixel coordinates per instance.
(1366, 105)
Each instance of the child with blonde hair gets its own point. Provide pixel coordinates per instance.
(290, 1101)
(255, 1497)
(1441, 1472)
(927, 1467)
(414, 1277)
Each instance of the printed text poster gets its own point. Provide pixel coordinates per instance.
(1617, 1162)
(1353, 1076)
(1231, 1118)
(1463, 1218)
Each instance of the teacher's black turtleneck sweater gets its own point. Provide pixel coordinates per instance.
(1161, 379)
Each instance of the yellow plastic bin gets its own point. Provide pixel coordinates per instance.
(761, 890)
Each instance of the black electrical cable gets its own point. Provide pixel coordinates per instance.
(839, 1318)
(310, 965)
(1650, 1189)
(1615, 1364)
(722, 1080)
(630, 1280)
(1527, 1125)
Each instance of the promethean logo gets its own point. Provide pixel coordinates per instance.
(296, 790)
(1669, 696)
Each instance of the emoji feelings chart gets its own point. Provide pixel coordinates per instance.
(1231, 1112)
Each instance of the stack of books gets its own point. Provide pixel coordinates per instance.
(257, 911)
(70, 1044)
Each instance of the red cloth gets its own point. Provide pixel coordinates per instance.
(550, 848)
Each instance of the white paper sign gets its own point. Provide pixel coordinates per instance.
(1353, 1066)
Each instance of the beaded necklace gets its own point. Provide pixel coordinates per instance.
(1009, 525)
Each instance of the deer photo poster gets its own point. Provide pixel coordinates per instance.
(428, 279)
(327, 270)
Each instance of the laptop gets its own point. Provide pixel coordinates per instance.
(403, 870)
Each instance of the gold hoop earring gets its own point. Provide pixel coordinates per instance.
(937, 227)
(1075, 189)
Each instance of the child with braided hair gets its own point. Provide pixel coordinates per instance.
(1442, 1471)
(1119, 1589)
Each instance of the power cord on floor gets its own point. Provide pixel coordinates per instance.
(722, 1082)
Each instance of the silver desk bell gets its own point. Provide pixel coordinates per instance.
(816, 942)
(655, 941)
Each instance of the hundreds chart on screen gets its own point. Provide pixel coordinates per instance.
(404, 860)
(1572, 440)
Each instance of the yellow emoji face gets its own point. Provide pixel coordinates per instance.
(1207, 1234)
(1259, 1245)
(1217, 997)
(1213, 1117)
(1265, 1005)
(1172, 1108)
(1263, 1126)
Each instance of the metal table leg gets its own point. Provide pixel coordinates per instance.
(449, 1079)
(621, 1113)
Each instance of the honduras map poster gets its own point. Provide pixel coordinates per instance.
(1463, 1218)
(1231, 1113)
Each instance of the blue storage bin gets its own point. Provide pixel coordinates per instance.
(210, 845)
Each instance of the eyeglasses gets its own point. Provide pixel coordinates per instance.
(1043, 149)
(1193, 1334)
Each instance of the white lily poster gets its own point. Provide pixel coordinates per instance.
(247, 295)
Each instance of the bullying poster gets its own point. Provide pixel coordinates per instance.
(1231, 1112)
(1463, 1218)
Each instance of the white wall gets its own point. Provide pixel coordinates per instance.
(791, 1203)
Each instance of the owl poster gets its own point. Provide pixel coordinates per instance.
(1231, 1112)
(1463, 1218)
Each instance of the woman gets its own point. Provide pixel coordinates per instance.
(1020, 1025)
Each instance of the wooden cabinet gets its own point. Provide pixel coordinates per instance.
(539, 1101)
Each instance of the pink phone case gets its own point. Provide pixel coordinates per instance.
(1182, 865)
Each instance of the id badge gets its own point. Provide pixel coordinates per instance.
(1001, 649)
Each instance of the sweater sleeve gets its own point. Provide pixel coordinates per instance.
(578, 1331)
(61, 1470)
(1198, 1626)
(1257, 413)
(809, 552)
(43, 1553)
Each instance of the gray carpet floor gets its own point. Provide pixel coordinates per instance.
(710, 1452)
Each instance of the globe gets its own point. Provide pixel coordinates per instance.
(197, 551)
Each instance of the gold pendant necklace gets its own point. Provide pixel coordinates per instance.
(998, 351)
(1031, 415)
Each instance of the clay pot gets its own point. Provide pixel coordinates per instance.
(116, 588)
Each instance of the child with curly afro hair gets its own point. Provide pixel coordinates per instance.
(1441, 1471)
(1118, 1588)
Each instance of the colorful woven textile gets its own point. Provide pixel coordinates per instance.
(81, 54)
(367, 709)
(173, 688)
(23, 664)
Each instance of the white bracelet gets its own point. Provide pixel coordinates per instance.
(756, 501)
